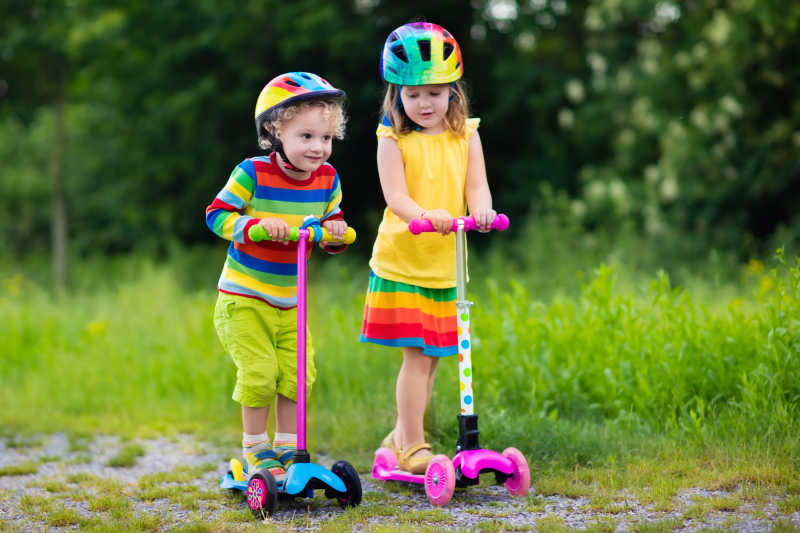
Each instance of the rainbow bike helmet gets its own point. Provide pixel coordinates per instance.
(421, 53)
(282, 90)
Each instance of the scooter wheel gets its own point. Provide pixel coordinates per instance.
(352, 483)
(440, 480)
(262, 494)
(385, 459)
(519, 481)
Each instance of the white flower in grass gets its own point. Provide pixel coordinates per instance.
(566, 118)
(526, 41)
(651, 174)
(593, 19)
(669, 188)
(700, 119)
(731, 106)
(596, 62)
(596, 191)
(578, 209)
(575, 91)
(719, 29)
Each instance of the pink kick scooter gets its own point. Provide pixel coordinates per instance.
(341, 481)
(443, 475)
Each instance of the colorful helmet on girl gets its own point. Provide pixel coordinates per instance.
(421, 53)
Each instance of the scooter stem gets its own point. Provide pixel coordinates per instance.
(462, 319)
(301, 339)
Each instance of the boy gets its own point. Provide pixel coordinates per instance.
(297, 116)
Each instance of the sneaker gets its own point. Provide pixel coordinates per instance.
(285, 454)
(262, 457)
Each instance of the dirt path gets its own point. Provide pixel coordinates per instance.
(54, 483)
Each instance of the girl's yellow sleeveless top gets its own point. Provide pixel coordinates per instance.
(436, 174)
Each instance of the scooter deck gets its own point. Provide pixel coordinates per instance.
(384, 474)
(301, 480)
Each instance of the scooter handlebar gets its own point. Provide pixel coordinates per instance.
(420, 225)
(257, 233)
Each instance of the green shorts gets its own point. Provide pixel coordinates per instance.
(262, 341)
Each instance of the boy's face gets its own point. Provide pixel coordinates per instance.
(307, 139)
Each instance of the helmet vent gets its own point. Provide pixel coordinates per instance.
(424, 49)
(292, 83)
(448, 49)
(400, 52)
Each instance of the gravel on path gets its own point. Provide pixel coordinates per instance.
(50, 472)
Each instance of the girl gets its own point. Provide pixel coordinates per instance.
(430, 164)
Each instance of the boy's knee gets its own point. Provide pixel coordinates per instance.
(255, 387)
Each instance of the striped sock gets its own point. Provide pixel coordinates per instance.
(284, 447)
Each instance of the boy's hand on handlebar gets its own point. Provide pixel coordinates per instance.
(441, 220)
(484, 218)
(336, 228)
(278, 230)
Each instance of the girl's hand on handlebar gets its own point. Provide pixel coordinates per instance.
(277, 229)
(484, 218)
(336, 228)
(441, 220)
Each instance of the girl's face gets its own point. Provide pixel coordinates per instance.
(307, 140)
(426, 105)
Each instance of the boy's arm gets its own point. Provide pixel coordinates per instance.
(225, 214)
(333, 213)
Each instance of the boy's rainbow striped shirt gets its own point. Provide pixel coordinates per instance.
(258, 188)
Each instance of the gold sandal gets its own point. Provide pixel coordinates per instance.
(414, 465)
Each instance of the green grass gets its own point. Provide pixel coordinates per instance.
(126, 456)
(599, 366)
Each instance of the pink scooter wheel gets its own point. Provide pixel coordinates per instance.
(385, 458)
(520, 480)
(440, 480)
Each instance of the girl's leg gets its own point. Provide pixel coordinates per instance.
(414, 386)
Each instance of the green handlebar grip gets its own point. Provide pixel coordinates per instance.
(257, 233)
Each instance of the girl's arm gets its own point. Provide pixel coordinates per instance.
(395, 191)
(393, 180)
(479, 197)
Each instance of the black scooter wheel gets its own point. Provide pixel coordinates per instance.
(352, 483)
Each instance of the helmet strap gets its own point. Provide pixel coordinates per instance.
(277, 146)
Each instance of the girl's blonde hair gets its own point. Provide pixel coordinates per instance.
(332, 109)
(454, 119)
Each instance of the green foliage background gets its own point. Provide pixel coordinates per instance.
(644, 151)
(678, 117)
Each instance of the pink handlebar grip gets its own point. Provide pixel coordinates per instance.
(420, 225)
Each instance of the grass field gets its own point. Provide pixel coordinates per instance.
(587, 360)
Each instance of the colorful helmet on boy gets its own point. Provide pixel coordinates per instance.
(286, 89)
(421, 53)
(289, 88)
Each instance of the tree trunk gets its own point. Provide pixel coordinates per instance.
(58, 224)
